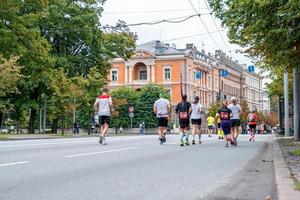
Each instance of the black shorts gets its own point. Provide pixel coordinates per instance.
(196, 121)
(104, 119)
(252, 126)
(219, 125)
(235, 123)
(162, 122)
(210, 127)
(184, 123)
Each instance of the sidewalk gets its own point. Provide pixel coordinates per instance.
(285, 180)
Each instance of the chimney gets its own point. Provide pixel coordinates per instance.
(189, 46)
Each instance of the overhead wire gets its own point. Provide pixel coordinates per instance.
(208, 8)
(199, 15)
(190, 36)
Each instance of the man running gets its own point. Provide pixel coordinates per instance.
(252, 120)
(183, 109)
(225, 114)
(210, 125)
(103, 105)
(162, 109)
(196, 119)
(235, 120)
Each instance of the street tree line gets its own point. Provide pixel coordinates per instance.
(55, 51)
(270, 32)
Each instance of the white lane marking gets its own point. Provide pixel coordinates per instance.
(100, 152)
(60, 143)
(41, 144)
(15, 163)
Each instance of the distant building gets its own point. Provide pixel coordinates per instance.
(197, 72)
(252, 89)
(266, 102)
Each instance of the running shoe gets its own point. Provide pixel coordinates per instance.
(161, 141)
(250, 139)
(232, 142)
(226, 145)
(209, 135)
(200, 142)
(193, 142)
(181, 143)
(219, 138)
(235, 143)
(100, 139)
(103, 142)
(187, 143)
(164, 139)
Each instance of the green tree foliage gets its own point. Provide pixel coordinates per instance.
(142, 101)
(63, 35)
(269, 29)
(9, 77)
(146, 98)
(123, 98)
(213, 109)
(245, 110)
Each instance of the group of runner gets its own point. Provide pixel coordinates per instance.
(227, 118)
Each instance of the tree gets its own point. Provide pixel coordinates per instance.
(123, 98)
(268, 29)
(58, 34)
(213, 109)
(245, 111)
(144, 107)
(9, 77)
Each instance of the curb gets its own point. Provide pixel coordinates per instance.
(284, 183)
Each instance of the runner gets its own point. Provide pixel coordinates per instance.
(219, 129)
(103, 105)
(225, 114)
(252, 120)
(183, 109)
(196, 119)
(210, 124)
(235, 120)
(162, 109)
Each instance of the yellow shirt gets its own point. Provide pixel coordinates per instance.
(210, 121)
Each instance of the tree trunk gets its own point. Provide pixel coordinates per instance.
(54, 125)
(31, 121)
(1, 115)
(62, 125)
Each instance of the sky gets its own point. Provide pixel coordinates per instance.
(193, 30)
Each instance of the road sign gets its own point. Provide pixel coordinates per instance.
(251, 68)
(131, 109)
(131, 114)
(198, 75)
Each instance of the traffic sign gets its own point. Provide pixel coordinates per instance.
(198, 75)
(131, 114)
(131, 109)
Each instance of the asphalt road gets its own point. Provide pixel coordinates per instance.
(136, 167)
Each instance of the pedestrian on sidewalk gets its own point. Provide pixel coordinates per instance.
(225, 114)
(103, 105)
(235, 120)
(252, 122)
(210, 124)
(219, 129)
(142, 128)
(196, 119)
(162, 110)
(183, 109)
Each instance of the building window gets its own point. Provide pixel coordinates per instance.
(114, 75)
(167, 73)
(194, 75)
(143, 74)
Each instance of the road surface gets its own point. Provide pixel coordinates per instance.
(136, 167)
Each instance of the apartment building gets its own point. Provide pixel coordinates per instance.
(197, 72)
(159, 63)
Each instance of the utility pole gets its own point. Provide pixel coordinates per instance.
(296, 101)
(296, 96)
(286, 102)
(45, 113)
